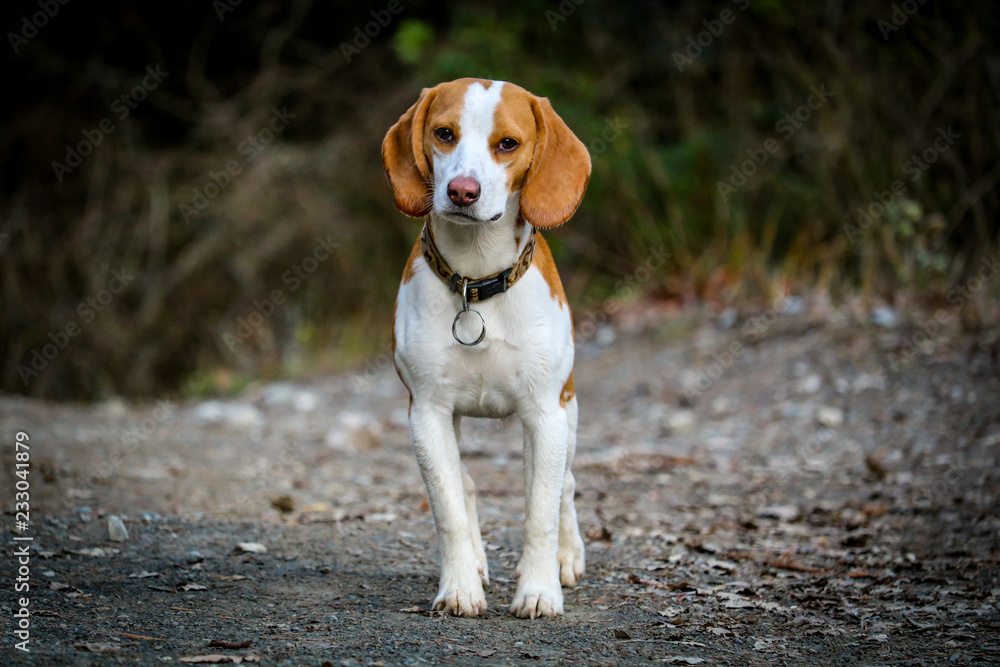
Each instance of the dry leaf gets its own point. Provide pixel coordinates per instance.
(143, 575)
(194, 587)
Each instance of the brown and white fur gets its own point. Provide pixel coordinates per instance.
(485, 161)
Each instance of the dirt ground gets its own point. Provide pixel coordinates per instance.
(826, 494)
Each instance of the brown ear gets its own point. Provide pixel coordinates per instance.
(403, 157)
(559, 171)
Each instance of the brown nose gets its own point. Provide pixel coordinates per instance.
(463, 191)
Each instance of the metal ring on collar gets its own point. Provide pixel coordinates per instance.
(454, 327)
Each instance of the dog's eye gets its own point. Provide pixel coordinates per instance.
(508, 144)
(444, 134)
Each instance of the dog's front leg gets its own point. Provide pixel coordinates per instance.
(545, 448)
(461, 588)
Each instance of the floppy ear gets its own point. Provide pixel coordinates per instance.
(403, 157)
(559, 171)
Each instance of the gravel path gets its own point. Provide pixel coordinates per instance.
(787, 493)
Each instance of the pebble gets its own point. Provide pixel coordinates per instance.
(251, 548)
(86, 514)
(810, 384)
(726, 319)
(194, 557)
(228, 414)
(116, 529)
(680, 422)
(605, 336)
(884, 317)
(284, 394)
(830, 416)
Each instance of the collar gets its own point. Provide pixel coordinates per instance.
(477, 289)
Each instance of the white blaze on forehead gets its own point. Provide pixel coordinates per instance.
(473, 156)
(479, 110)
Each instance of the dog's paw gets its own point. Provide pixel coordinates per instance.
(461, 595)
(571, 561)
(535, 601)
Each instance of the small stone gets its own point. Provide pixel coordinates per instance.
(726, 319)
(786, 513)
(194, 557)
(86, 514)
(251, 548)
(722, 406)
(810, 384)
(680, 422)
(116, 529)
(830, 416)
(605, 336)
(884, 317)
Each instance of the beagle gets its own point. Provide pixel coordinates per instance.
(482, 327)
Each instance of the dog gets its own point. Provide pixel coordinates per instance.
(482, 327)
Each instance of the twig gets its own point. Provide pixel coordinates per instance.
(128, 634)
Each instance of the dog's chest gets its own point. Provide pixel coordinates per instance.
(528, 342)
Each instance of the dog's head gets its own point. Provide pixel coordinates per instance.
(467, 147)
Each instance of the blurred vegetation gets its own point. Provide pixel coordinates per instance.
(673, 130)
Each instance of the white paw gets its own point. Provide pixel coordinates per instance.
(571, 561)
(535, 601)
(461, 593)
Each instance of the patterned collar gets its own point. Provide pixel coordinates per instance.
(477, 289)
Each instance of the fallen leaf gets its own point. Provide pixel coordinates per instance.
(283, 503)
(670, 612)
(56, 586)
(682, 660)
(162, 589)
(194, 587)
(143, 575)
(621, 634)
(234, 577)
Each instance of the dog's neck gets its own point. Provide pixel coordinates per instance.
(478, 250)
